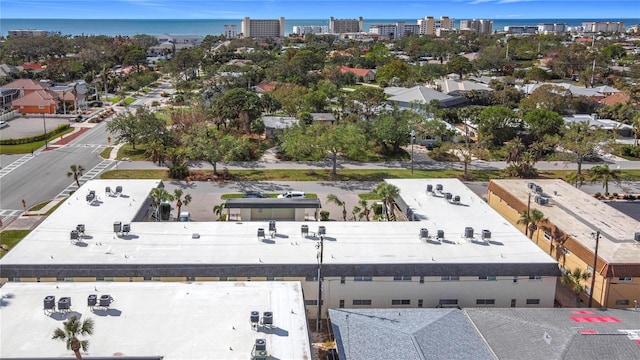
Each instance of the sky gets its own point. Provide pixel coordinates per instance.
(318, 9)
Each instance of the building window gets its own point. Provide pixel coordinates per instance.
(625, 279)
(362, 278)
(513, 302)
(342, 279)
(535, 277)
(488, 278)
(622, 302)
(313, 302)
(485, 301)
(590, 269)
(401, 302)
(532, 301)
(547, 236)
(341, 304)
(402, 278)
(450, 278)
(311, 278)
(361, 302)
(421, 279)
(420, 303)
(448, 302)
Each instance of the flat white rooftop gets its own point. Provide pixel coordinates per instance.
(359, 242)
(580, 215)
(174, 320)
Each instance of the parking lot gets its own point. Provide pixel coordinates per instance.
(26, 126)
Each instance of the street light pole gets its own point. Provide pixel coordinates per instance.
(320, 247)
(413, 137)
(44, 125)
(526, 225)
(595, 261)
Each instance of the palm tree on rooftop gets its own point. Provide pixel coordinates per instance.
(70, 333)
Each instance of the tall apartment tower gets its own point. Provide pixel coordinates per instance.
(262, 28)
(339, 26)
(430, 26)
(480, 26)
(603, 26)
(230, 31)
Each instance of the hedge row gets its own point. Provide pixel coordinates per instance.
(58, 130)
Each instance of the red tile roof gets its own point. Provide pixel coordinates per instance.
(37, 98)
(25, 84)
(616, 98)
(32, 66)
(355, 71)
(266, 87)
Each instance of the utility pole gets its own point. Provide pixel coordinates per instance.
(413, 136)
(526, 226)
(320, 247)
(44, 125)
(595, 260)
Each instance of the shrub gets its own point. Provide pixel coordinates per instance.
(597, 195)
(324, 215)
(178, 171)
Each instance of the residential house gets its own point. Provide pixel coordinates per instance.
(592, 93)
(265, 87)
(617, 98)
(456, 86)
(609, 125)
(367, 75)
(9, 71)
(324, 117)
(34, 97)
(408, 97)
(275, 124)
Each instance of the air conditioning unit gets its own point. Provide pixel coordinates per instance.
(260, 355)
(636, 236)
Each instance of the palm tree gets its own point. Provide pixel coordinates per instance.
(356, 212)
(76, 173)
(70, 332)
(604, 174)
(158, 196)
(387, 192)
(217, 210)
(532, 221)
(177, 196)
(366, 210)
(574, 279)
(334, 199)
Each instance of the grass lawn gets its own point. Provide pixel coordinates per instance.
(39, 206)
(32, 146)
(106, 152)
(129, 100)
(10, 238)
(137, 154)
(114, 99)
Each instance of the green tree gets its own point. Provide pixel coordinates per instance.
(126, 128)
(240, 106)
(365, 101)
(532, 221)
(602, 173)
(158, 196)
(388, 192)
(290, 97)
(548, 97)
(177, 196)
(76, 172)
(334, 199)
(459, 65)
(214, 146)
(535, 73)
(543, 122)
(391, 127)
(71, 332)
(497, 124)
(574, 280)
(583, 141)
(394, 70)
(366, 209)
(217, 210)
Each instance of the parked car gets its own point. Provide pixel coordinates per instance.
(3, 124)
(184, 216)
(292, 195)
(255, 194)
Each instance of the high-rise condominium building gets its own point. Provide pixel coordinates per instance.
(230, 31)
(603, 26)
(430, 26)
(263, 28)
(339, 26)
(481, 26)
(310, 29)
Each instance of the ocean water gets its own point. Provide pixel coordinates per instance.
(114, 27)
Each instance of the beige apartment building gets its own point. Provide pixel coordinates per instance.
(575, 221)
(431, 26)
(341, 26)
(262, 28)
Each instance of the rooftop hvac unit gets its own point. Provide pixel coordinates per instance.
(195, 236)
(105, 300)
(304, 230)
(49, 302)
(486, 234)
(424, 233)
(119, 189)
(538, 189)
(322, 230)
(260, 355)
(73, 235)
(440, 234)
(468, 232)
(429, 188)
(636, 236)
(439, 187)
(126, 228)
(456, 199)
(272, 225)
(117, 226)
(448, 196)
(107, 189)
(531, 186)
(80, 228)
(254, 317)
(92, 193)
(260, 232)
(261, 344)
(92, 300)
(267, 318)
(89, 198)
(64, 303)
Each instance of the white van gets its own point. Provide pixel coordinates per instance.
(292, 195)
(184, 216)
